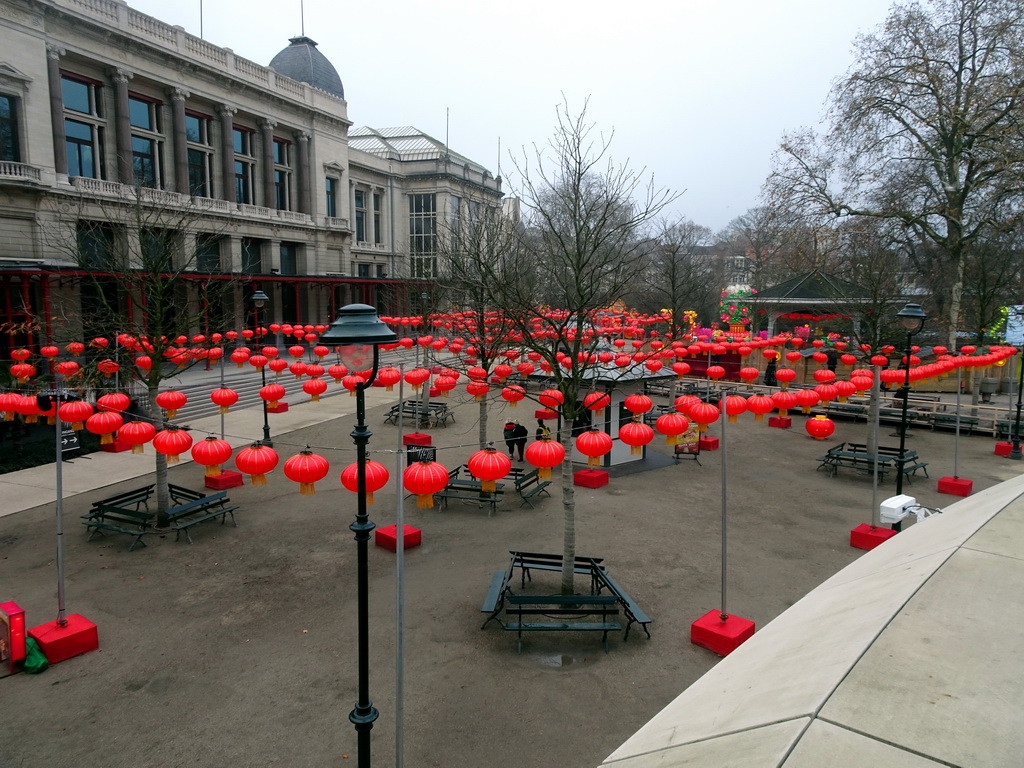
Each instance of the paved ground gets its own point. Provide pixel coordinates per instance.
(240, 648)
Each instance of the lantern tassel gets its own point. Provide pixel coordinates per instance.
(315, 398)
(425, 501)
(306, 489)
(223, 410)
(758, 417)
(594, 461)
(260, 479)
(106, 439)
(213, 470)
(733, 418)
(369, 498)
(636, 450)
(544, 473)
(172, 413)
(75, 427)
(172, 458)
(487, 486)
(138, 449)
(783, 412)
(9, 416)
(513, 404)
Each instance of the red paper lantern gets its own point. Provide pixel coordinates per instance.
(793, 356)
(826, 393)
(784, 376)
(735, 405)
(806, 399)
(272, 394)
(824, 376)
(487, 466)
(636, 435)
(512, 394)
(136, 434)
(704, 414)
(680, 369)
(848, 359)
(306, 468)
(478, 389)
(23, 371)
(224, 398)
(75, 412)
(759, 405)
(551, 398)
(715, 372)
(862, 383)
(388, 377)
(638, 404)
(820, 427)
(104, 424)
(256, 461)
(29, 408)
(880, 360)
(844, 389)
(68, 368)
(425, 478)
(9, 403)
(597, 402)
(51, 351)
(672, 425)
(683, 403)
(20, 354)
(211, 453)
(445, 384)
(314, 388)
(416, 377)
(172, 442)
(544, 454)
(377, 477)
(749, 375)
(594, 444)
(297, 350)
(239, 356)
(171, 401)
(784, 400)
(337, 372)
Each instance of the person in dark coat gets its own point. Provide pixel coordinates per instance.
(520, 435)
(769, 373)
(509, 434)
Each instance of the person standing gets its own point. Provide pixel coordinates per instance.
(520, 435)
(543, 433)
(509, 434)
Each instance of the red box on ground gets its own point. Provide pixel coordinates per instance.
(387, 537)
(782, 422)
(1003, 449)
(496, 380)
(14, 616)
(957, 486)
(416, 438)
(590, 478)
(435, 392)
(866, 537)
(58, 643)
(708, 443)
(720, 636)
(226, 479)
(546, 414)
(281, 407)
(436, 369)
(115, 447)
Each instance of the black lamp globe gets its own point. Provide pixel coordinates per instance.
(357, 324)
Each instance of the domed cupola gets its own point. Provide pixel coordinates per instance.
(302, 61)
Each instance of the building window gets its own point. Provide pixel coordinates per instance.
(96, 246)
(208, 253)
(200, 155)
(422, 236)
(332, 197)
(362, 270)
(282, 174)
(360, 209)
(83, 127)
(145, 162)
(252, 258)
(10, 149)
(244, 161)
(455, 213)
(288, 260)
(378, 234)
(381, 271)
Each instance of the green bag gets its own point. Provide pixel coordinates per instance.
(35, 662)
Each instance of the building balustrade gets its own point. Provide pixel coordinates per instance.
(19, 172)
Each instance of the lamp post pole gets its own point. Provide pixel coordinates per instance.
(358, 324)
(912, 318)
(259, 300)
(1015, 452)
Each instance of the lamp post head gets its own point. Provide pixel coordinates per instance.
(357, 324)
(259, 298)
(912, 318)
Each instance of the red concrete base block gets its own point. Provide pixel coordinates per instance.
(866, 537)
(115, 447)
(545, 414)
(957, 486)
(782, 422)
(416, 438)
(281, 407)
(58, 643)
(590, 478)
(708, 443)
(387, 537)
(497, 380)
(436, 369)
(1003, 449)
(226, 479)
(720, 636)
(435, 392)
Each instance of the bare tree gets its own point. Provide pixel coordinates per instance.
(584, 230)
(925, 130)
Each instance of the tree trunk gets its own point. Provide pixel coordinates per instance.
(163, 491)
(483, 422)
(569, 517)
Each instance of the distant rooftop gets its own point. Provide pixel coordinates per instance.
(303, 62)
(407, 144)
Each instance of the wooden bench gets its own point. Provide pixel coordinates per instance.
(115, 519)
(494, 601)
(469, 490)
(633, 612)
(136, 499)
(195, 511)
(528, 561)
(948, 421)
(522, 611)
(530, 485)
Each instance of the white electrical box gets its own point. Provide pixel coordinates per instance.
(896, 508)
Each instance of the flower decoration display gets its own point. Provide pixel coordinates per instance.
(733, 307)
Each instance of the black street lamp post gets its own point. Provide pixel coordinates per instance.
(259, 300)
(912, 319)
(1015, 452)
(358, 325)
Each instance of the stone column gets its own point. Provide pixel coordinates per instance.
(227, 151)
(123, 127)
(179, 140)
(302, 171)
(267, 133)
(60, 151)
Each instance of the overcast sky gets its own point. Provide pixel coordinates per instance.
(698, 92)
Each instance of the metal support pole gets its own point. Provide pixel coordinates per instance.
(266, 423)
(725, 503)
(1015, 452)
(900, 460)
(61, 619)
(400, 587)
(364, 714)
